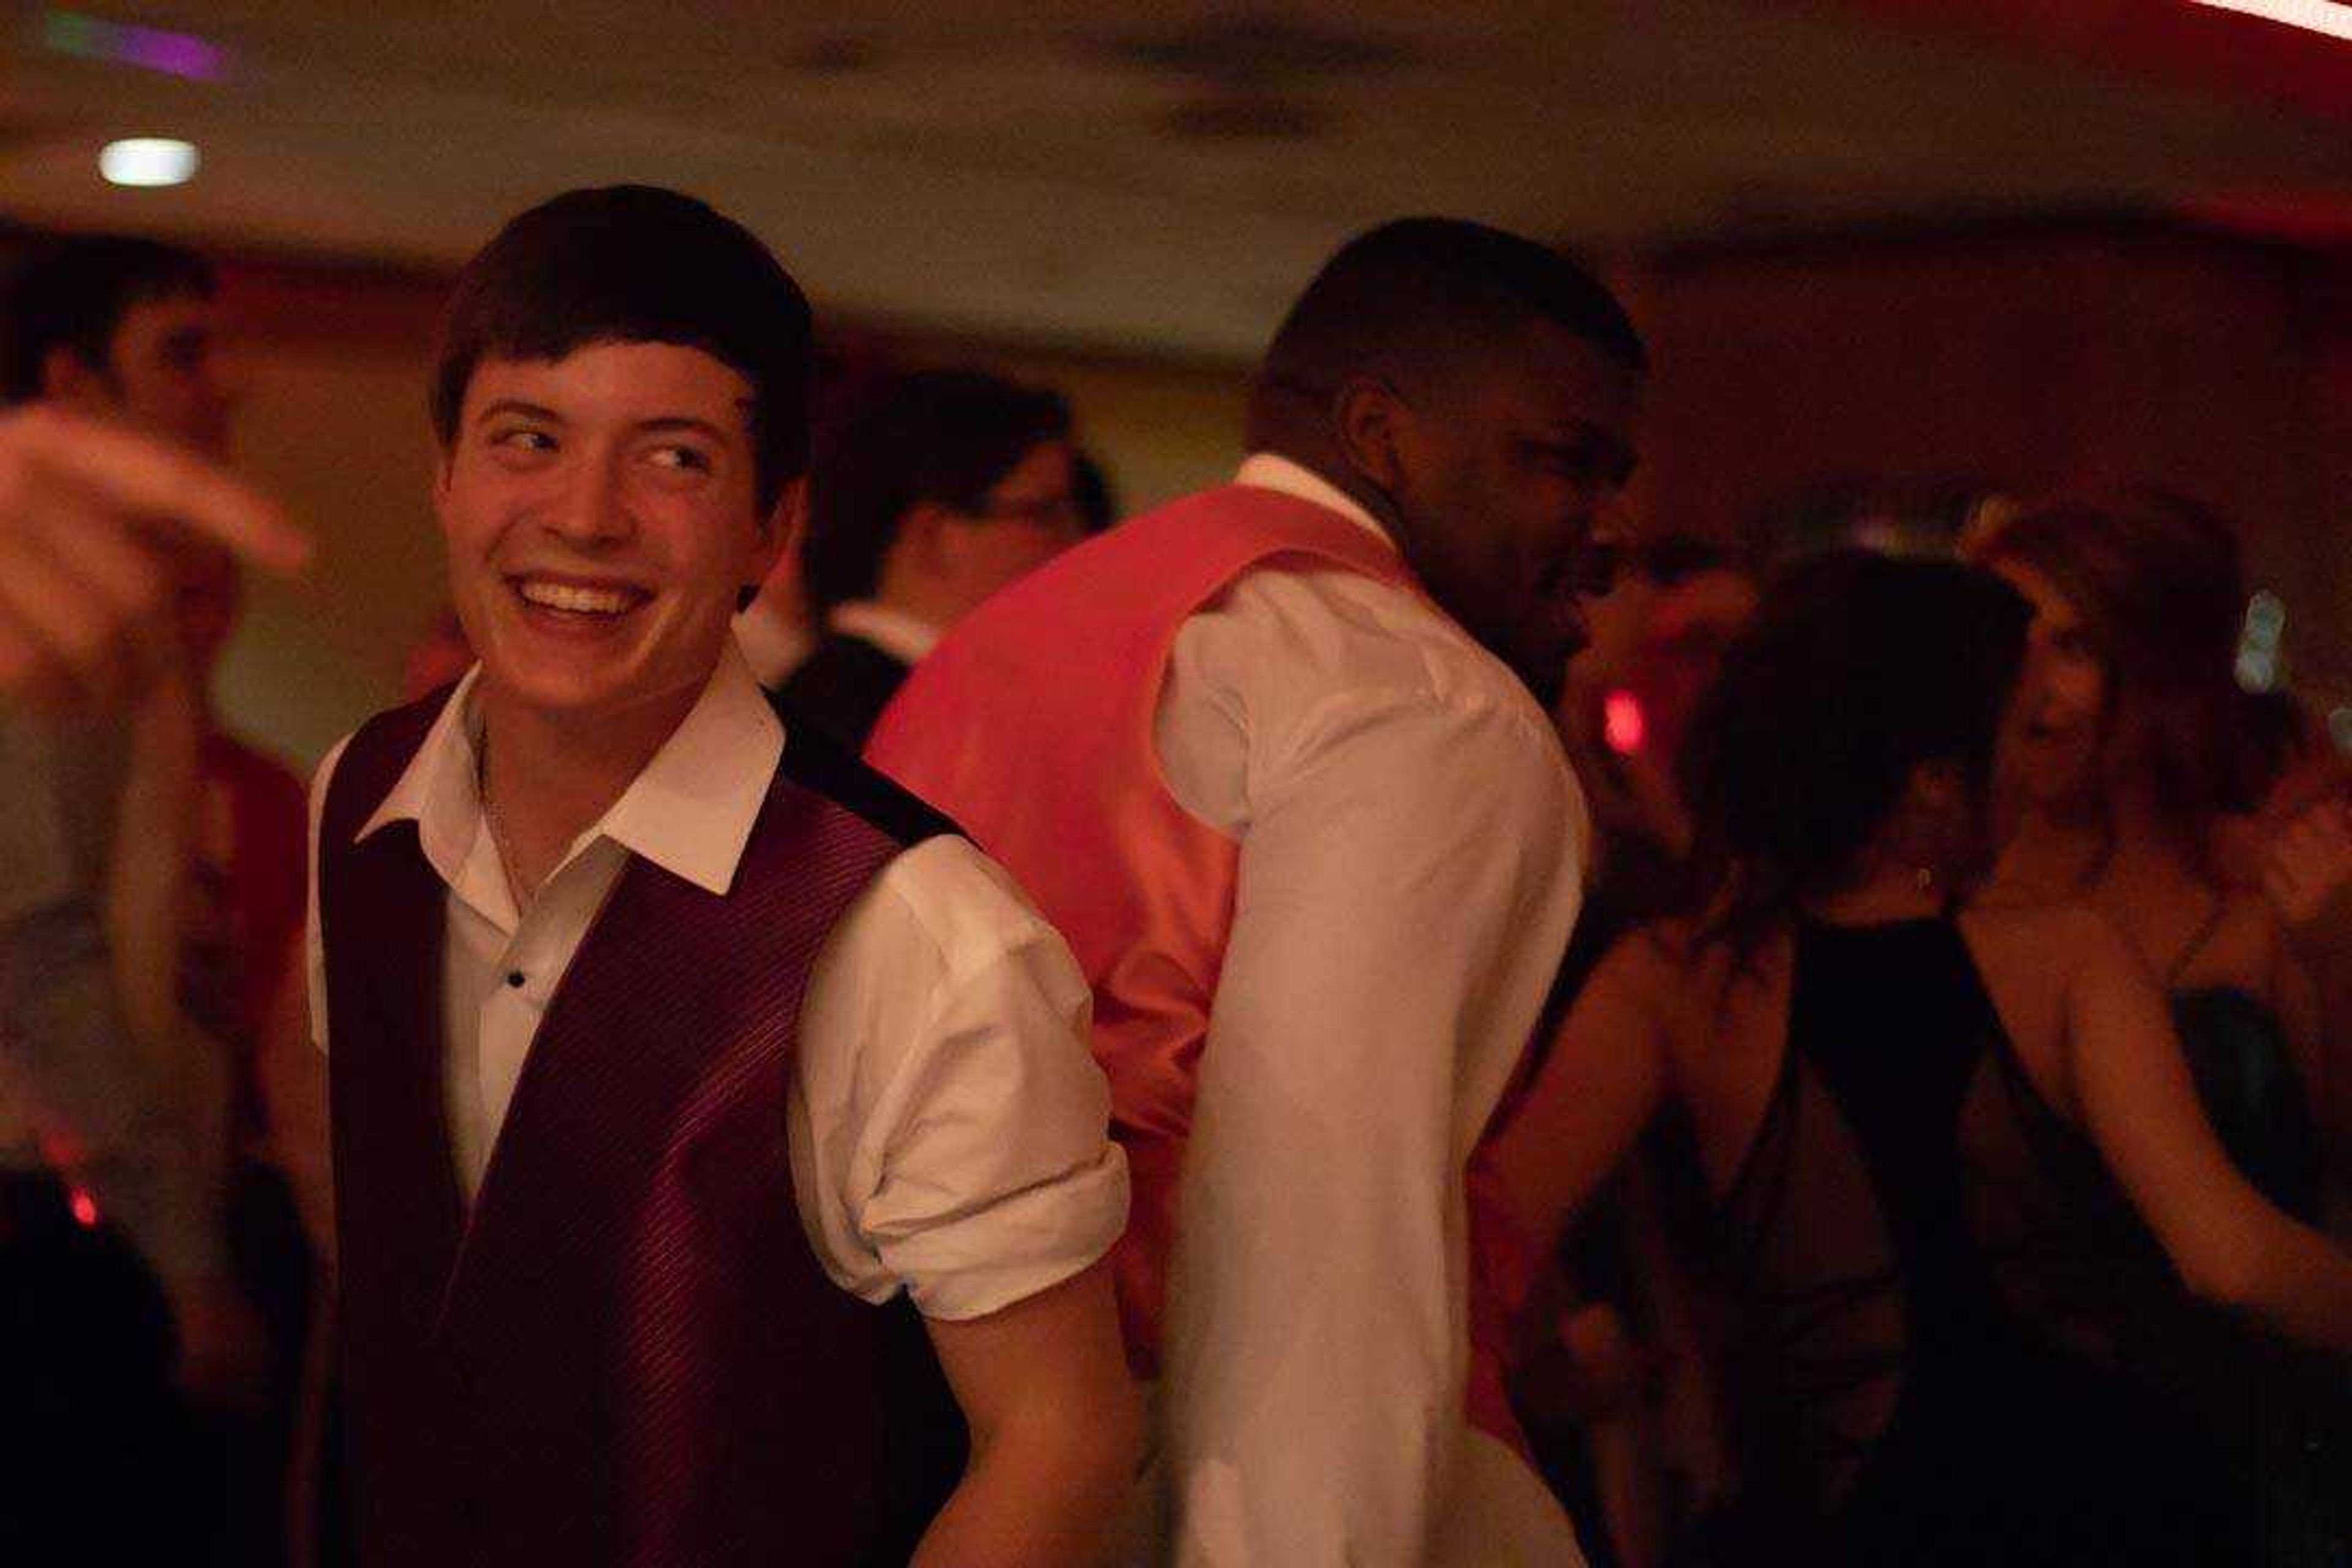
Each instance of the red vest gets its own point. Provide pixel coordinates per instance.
(1032, 723)
(626, 1353)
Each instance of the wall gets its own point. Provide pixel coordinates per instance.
(2020, 358)
(2024, 360)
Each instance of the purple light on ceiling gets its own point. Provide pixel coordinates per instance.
(149, 48)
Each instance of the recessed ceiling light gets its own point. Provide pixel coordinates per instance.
(148, 161)
(2329, 17)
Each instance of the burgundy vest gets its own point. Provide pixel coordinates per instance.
(626, 1353)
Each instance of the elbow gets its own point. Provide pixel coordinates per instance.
(2229, 1274)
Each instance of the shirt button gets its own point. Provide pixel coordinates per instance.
(514, 978)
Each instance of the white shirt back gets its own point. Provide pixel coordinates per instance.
(1412, 848)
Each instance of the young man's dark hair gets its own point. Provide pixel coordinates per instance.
(941, 435)
(1415, 297)
(73, 294)
(635, 264)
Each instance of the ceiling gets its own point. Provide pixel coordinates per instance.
(1155, 176)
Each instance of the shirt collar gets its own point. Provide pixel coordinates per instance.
(1272, 471)
(905, 637)
(690, 812)
(440, 789)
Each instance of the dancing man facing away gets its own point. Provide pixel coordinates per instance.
(1275, 759)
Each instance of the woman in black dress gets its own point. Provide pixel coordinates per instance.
(1949, 1153)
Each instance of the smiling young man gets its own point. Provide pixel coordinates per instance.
(1275, 759)
(668, 1048)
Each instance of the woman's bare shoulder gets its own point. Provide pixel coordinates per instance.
(2050, 940)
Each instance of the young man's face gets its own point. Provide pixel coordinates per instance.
(601, 516)
(163, 375)
(1028, 517)
(166, 367)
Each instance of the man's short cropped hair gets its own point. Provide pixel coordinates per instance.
(1421, 296)
(638, 263)
(74, 293)
(946, 437)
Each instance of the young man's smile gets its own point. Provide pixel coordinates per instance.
(600, 516)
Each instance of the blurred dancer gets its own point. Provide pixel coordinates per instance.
(931, 491)
(2140, 746)
(1951, 1150)
(1276, 758)
(204, 891)
(2139, 752)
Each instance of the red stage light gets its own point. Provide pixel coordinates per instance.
(85, 1209)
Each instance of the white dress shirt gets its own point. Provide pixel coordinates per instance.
(1410, 844)
(947, 1124)
(907, 638)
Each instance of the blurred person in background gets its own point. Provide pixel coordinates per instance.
(1658, 637)
(2296, 847)
(2134, 772)
(1610, 1382)
(1950, 1148)
(930, 492)
(204, 888)
(2142, 746)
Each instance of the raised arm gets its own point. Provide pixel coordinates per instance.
(1599, 1086)
(87, 513)
(2140, 1107)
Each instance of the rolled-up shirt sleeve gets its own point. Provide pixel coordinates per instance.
(949, 1126)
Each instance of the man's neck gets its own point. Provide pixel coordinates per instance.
(1322, 458)
(547, 779)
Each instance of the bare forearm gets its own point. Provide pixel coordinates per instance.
(1046, 1497)
(2303, 1286)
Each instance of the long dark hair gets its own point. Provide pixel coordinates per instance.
(2157, 580)
(1857, 668)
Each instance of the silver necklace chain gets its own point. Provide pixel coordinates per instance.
(497, 825)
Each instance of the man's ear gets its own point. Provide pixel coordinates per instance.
(1369, 420)
(69, 379)
(777, 541)
(781, 530)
